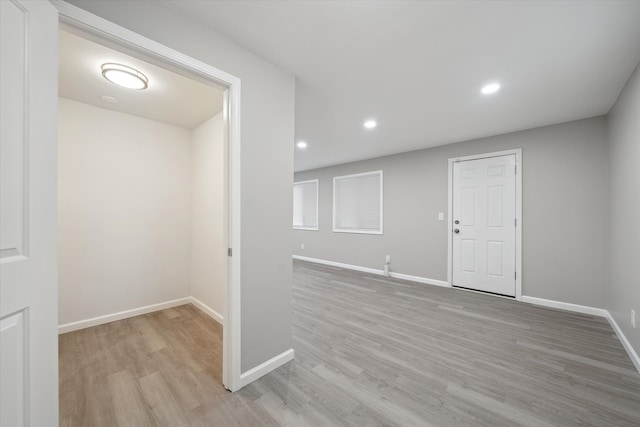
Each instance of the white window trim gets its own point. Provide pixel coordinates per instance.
(352, 231)
(316, 228)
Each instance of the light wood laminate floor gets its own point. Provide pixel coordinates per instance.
(369, 351)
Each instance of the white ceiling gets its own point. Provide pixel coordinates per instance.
(170, 98)
(418, 66)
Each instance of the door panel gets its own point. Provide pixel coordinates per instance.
(495, 259)
(468, 208)
(495, 201)
(28, 185)
(13, 369)
(484, 204)
(13, 72)
(467, 255)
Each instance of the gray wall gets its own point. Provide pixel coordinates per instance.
(267, 165)
(623, 290)
(564, 211)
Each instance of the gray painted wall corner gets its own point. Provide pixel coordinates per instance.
(623, 287)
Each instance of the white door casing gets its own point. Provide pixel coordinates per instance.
(484, 252)
(106, 31)
(28, 214)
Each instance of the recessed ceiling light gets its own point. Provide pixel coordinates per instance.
(370, 124)
(124, 76)
(490, 88)
(301, 144)
(107, 98)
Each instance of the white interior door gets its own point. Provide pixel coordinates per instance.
(484, 224)
(28, 181)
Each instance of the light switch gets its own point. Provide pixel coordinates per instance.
(440, 216)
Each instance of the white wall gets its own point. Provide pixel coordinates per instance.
(142, 212)
(124, 212)
(208, 225)
(267, 127)
(623, 290)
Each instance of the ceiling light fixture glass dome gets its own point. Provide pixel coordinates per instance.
(124, 76)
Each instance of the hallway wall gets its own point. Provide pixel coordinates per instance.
(564, 224)
(623, 287)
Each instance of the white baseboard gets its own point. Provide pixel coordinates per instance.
(600, 312)
(207, 310)
(108, 318)
(101, 320)
(374, 271)
(264, 368)
(419, 279)
(339, 264)
(584, 309)
(625, 342)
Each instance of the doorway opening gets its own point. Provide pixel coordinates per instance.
(92, 29)
(485, 223)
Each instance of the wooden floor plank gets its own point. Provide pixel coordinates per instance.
(369, 351)
(129, 406)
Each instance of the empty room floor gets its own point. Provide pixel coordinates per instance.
(369, 351)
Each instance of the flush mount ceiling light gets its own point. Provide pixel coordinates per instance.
(490, 88)
(301, 144)
(124, 76)
(370, 124)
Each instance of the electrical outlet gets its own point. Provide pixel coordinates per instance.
(387, 258)
(301, 245)
(633, 319)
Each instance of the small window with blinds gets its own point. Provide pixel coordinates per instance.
(357, 203)
(305, 205)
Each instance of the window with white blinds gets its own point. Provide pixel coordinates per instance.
(357, 203)
(305, 205)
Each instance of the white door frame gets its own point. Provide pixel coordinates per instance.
(106, 30)
(518, 154)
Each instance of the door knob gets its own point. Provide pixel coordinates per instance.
(456, 231)
(456, 222)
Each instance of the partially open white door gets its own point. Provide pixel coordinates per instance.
(484, 224)
(28, 185)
